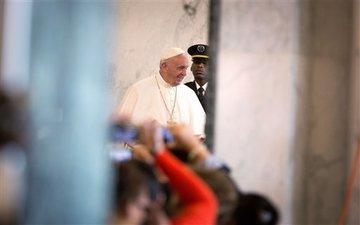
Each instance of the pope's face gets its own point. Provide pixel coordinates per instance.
(176, 69)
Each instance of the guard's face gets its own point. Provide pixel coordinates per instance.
(176, 69)
(199, 68)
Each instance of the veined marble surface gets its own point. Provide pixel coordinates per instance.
(255, 81)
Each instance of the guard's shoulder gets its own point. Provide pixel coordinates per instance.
(191, 85)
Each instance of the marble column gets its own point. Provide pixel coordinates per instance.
(69, 171)
(326, 157)
(1, 30)
(354, 216)
(281, 115)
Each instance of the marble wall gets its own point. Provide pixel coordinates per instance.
(143, 29)
(255, 108)
(283, 81)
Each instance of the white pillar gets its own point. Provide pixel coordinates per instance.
(69, 170)
(15, 46)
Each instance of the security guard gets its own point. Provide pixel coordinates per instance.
(199, 68)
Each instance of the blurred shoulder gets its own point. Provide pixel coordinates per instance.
(145, 82)
(187, 90)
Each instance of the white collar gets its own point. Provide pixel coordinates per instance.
(161, 81)
(198, 86)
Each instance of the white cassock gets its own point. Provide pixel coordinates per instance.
(153, 98)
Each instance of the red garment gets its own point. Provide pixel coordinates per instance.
(199, 202)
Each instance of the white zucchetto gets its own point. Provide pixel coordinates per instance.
(171, 52)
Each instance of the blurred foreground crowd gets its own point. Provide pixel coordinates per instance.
(162, 176)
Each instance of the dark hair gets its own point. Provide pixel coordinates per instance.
(152, 182)
(180, 154)
(255, 209)
(225, 190)
(130, 181)
(12, 123)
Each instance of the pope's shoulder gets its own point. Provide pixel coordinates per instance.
(184, 88)
(143, 82)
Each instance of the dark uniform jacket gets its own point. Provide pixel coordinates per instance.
(202, 100)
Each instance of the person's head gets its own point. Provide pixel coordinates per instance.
(131, 198)
(225, 190)
(199, 67)
(12, 157)
(12, 120)
(173, 65)
(255, 209)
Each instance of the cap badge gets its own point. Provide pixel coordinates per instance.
(201, 48)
